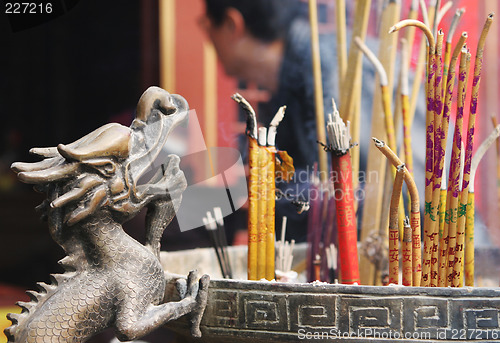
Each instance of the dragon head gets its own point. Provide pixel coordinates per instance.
(101, 170)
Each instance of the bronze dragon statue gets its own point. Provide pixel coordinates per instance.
(110, 279)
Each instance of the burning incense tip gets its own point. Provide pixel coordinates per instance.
(338, 132)
(413, 22)
(251, 129)
(273, 126)
(378, 143)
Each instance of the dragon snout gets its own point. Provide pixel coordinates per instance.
(156, 99)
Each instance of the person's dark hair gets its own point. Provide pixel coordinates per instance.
(265, 19)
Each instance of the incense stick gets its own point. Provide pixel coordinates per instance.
(428, 16)
(405, 101)
(341, 40)
(253, 184)
(442, 12)
(282, 242)
(394, 226)
(318, 88)
(384, 82)
(406, 252)
(405, 61)
(331, 254)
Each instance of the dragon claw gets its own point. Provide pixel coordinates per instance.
(201, 304)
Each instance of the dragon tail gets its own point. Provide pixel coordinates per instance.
(38, 298)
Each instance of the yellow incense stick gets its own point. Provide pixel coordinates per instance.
(341, 40)
(253, 186)
(405, 102)
(408, 38)
(406, 253)
(469, 241)
(318, 89)
(433, 227)
(270, 219)
(394, 226)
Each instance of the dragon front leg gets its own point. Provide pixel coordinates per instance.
(130, 326)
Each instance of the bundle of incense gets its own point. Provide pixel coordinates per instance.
(331, 256)
(414, 214)
(284, 257)
(431, 75)
(459, 251)
(211, 227)
(469, 224)
(262, 187)
(340, 145)
(444, 203)
(406, 253)
(219, 218)
(394, 226)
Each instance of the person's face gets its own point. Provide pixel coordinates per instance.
(223, 38)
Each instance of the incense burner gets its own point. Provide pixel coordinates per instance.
(251, 311)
